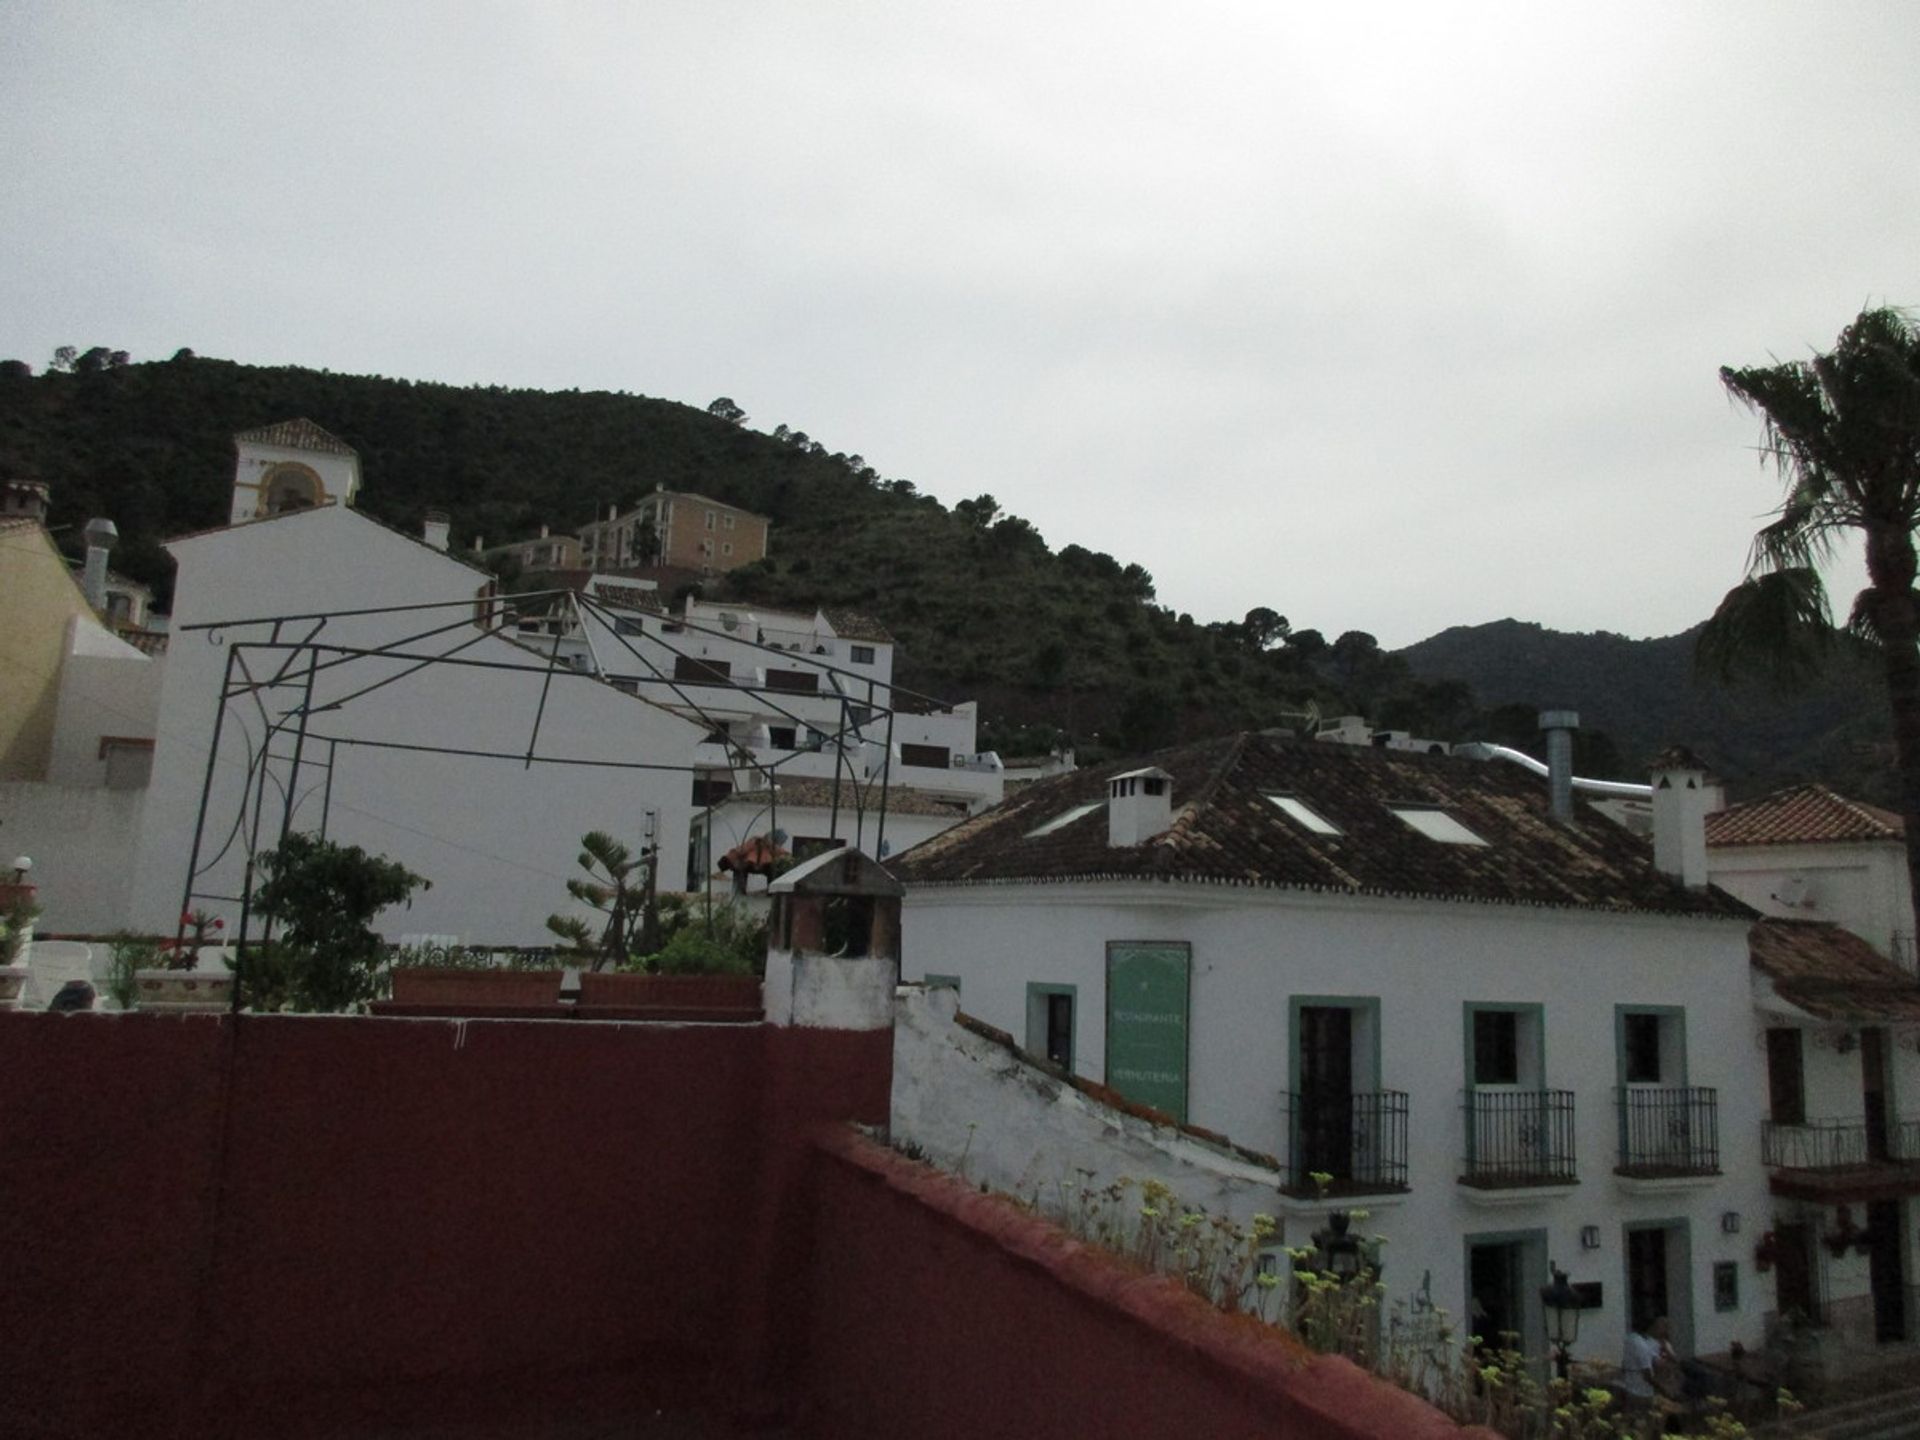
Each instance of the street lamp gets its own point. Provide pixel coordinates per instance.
(1339, 1250)
(1563, 1311)
(21, 865)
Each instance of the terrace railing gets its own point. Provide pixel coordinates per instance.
(1669, 1131)
(1838, 1144)
(1519, 1137)
(1359, 1140)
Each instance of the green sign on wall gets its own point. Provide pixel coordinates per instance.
(1147, 1023)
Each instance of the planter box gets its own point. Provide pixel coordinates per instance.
(493, 989)
(694, 995)
(177, 992)
(13, 980)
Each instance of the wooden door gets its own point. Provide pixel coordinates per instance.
(1326, 1090)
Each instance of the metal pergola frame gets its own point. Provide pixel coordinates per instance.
(302, 657)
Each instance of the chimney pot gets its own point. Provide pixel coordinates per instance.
(434, 529)
(1682, 799)
(1139, 805)
(101, 534)
(1560, 725)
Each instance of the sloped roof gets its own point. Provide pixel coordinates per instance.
(1227, 830)
(1831, 972)
(810, 794)
(1802, 815)
(852, 625)
(457, 557)
(301, 434)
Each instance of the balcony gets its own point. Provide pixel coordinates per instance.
(1519, 1139)
(1835, 1161)
(1668, 1132)
(1359, 1140)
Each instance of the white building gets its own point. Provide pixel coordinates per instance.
(794, 707)
(365, 697)
(1514, 1036)
(1807, 853)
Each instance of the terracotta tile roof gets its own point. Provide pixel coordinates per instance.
(852, 625)
(300, 434)
(813, 794)
(1227, 830)
(1831, 972)
(1802, 815)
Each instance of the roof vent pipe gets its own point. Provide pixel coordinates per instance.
(93, 580)
(1560, 725)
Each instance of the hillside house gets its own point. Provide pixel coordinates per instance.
(673, 528)
(1507, 1035)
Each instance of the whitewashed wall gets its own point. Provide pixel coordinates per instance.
(1863, 886)
(83, 842)
(994, 1118)
(106, 688)
(497, 838)
(1253, 950)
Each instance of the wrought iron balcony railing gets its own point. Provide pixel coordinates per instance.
(1669, 1130)
(1839, 1144)
(1359, 1140)
(1519, 1137)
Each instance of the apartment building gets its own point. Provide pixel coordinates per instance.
(1514, 1037)
(676, 529)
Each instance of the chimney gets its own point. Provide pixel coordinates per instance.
(1681, 800)
(434, 530)
(93, 580)
(1139, 805)
(1560, 725)
(478, 545)
(543, 532)
(24, 500)
(613, 512)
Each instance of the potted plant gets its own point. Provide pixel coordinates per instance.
(17, 914)
(177, 985)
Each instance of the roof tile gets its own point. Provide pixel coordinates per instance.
(1226, 831)
(301, 434)
(1831, 972)
(1802, 815)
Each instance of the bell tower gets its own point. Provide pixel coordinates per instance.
(294, 465)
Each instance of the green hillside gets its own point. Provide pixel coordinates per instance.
(1058, 645)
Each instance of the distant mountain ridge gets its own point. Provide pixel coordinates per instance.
(1645, 695)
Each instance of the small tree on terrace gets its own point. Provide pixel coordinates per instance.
(615, 885)
(324, 897)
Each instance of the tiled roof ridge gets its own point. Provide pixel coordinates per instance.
(299, 433)
(1751, 822)
(1745, 915)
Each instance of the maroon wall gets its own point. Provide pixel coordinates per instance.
(939, 1312)
(295, 1223)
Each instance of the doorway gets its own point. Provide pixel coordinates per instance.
(1504, 1276)
(1793, 1290)
(1886, 1271)
(1659, 1274)
(1326, 1091)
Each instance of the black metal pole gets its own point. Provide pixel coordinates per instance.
(206, 794)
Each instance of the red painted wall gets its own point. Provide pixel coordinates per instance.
(939, 1312)
(296, 1223)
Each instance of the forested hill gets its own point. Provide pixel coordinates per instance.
(1644, 694)
(1056, 644)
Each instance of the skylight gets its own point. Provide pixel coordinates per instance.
(1436, 824)
(1066, 818)
(1299, 811)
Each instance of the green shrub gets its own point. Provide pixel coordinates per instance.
(127, 953)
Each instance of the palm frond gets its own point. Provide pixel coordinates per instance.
(1775, 624)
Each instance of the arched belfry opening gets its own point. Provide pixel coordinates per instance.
(291, 486)
(289, 466)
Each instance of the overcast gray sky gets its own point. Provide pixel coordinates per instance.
(1389, 317)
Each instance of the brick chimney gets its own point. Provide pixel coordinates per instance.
(1139, 805)
(24, 500)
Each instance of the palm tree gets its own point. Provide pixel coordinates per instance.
(1843, 430)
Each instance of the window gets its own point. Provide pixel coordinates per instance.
(1504, 1045)
(626, 683)
(1050, 1023)
(1786, 1076)
(1298, 811)
(934, 756)
(800, 682)
(1652, 1045)
(727, 520)
(624, 626)
(861, 654)
(1496, 1047)
(709, 519)
(705, 672)
(1065, 818)
(781, 737)
(710, 791)
(727, 548)
(1436, 824)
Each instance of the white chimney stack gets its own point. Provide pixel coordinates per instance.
(1682, 799)
(434, 530)
(93, 580)
(1139, 805)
